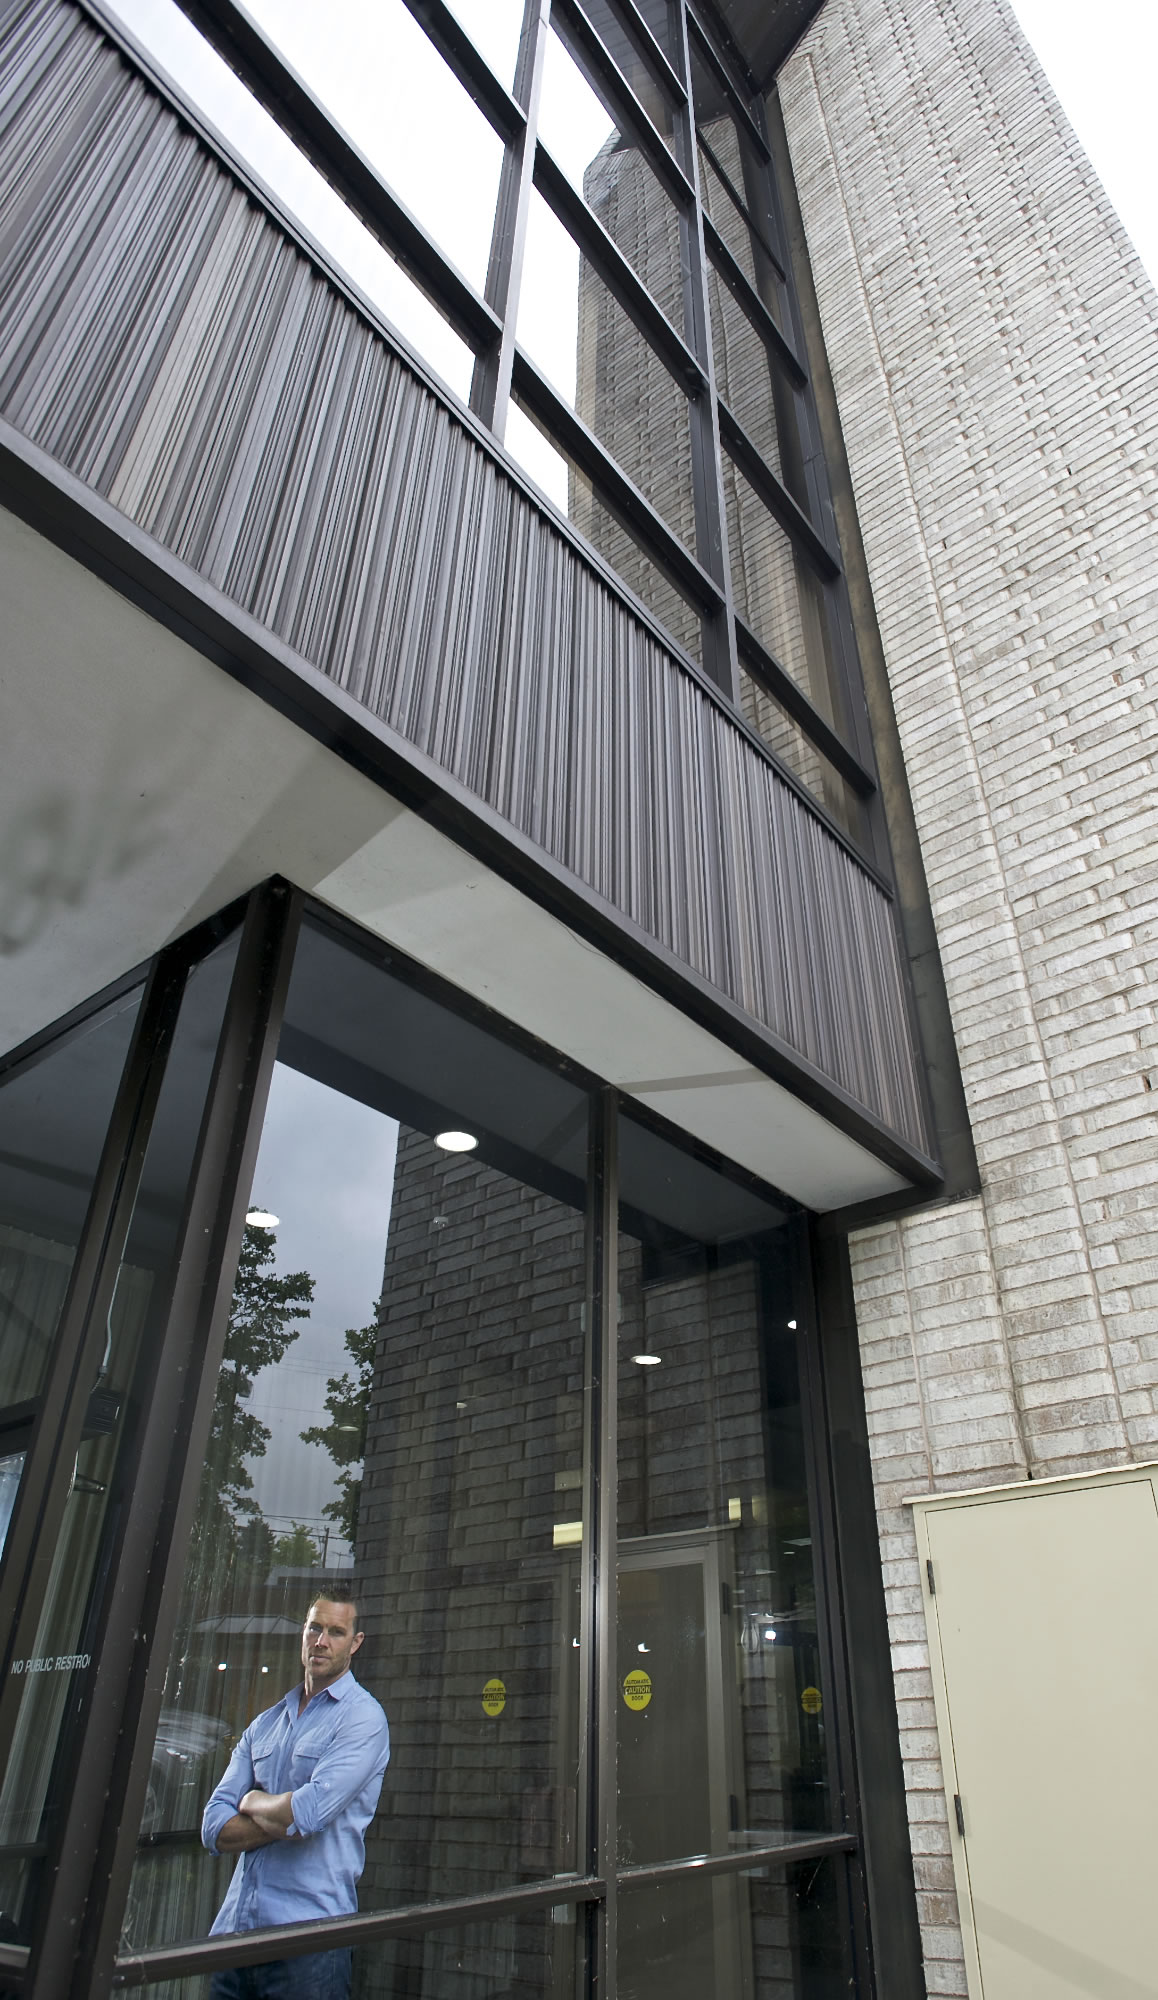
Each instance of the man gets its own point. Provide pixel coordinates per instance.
(301, 1788)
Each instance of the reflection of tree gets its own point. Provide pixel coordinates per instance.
(232, 1544)
(261, 1327)
(297, 1550)
(344, 1437)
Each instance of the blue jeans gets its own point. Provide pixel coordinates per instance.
(321, 1975)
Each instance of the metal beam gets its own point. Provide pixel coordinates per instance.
(290, 101)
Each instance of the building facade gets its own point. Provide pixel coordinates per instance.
(578, 925)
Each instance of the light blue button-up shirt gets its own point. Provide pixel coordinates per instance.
(331, 1758)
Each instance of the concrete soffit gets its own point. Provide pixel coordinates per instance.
(144, 788)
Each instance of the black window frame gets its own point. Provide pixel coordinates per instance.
(75, 1948)
(486, 323)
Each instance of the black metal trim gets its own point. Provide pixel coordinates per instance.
(621, 494)
(605, 77)
(707, 50)
(740, 205)
(839, 1739)
(490, 389)
(719, 633)
(888, 1923)
(57, 504)
(647, 48)
(475, 74)
(607, 259)
(751, 304)
(601, 1520)
(30, 1543)
(776, 496)
(296, 1940)
(290, 102)
(739, 1863)
(105, 1811)
(780, 684)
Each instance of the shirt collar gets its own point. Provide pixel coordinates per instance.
(337, 1691)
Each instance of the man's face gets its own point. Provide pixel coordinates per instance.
(329, 1640)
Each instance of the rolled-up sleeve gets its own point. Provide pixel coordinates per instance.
(356, 1757)
(238, 1780)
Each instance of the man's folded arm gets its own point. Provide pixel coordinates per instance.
(359, 1753)
(219, 1831)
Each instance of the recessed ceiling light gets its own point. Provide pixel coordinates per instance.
(647, 1360)
(456, 1142)
(792, 1325)
(260, 1218)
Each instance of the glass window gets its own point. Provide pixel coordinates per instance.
(54, 1114)
(755, 388)
(584, 343)
(625, 50)
(524, 1955)
(388, 88)
(787, 740)
(39, 1701)
(724, 204)
(772, 1932)
(575, 496)
(779, 596)
(744, 169)
(495, 27)
(722, 1711)
(613, 178)
(212, 86)
(398, 1424)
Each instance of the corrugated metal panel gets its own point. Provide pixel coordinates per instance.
(163, 338)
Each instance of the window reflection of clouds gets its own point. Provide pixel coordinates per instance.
(548, 321)
(494, 27)
(210, 84)
(385, 84)
(573, 123)
(326, 1169)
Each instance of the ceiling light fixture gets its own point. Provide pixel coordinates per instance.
(456, 1142)
(646, 1360)
(260, 1218)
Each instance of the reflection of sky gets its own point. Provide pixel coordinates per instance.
(382, 80)
(326, 1169)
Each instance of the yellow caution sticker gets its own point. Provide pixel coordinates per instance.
(811, 1701)
(494, 1698)
(637, 1689)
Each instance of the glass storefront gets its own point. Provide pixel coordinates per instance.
(436, 1357)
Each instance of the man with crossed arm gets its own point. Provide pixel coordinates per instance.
(294, 1804)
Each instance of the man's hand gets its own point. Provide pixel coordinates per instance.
(271, 1812)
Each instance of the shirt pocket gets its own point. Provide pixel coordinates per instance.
(301, 1766)
(264, 1762)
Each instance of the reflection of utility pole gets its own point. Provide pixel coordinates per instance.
(325, 1546)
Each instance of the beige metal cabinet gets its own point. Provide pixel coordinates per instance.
(1042, 1609)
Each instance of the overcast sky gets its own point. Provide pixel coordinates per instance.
(1103, 64)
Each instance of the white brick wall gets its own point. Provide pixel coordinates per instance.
(994, 346)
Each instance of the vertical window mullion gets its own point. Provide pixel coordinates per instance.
(720, 657)
(82, 1919)
(31, 1539)
(598, 1716)
(491, 388)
